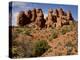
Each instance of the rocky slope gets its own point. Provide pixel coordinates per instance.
(35, 36)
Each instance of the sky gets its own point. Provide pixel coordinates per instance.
(16, 7)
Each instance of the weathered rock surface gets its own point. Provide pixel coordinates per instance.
(21, 19)
(36, 16)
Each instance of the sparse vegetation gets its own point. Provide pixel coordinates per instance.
(53, 35)
(40, 47)
(23, 44)
(65, 29)
(22, 48)
(69, 47)
(23, 31)
(28, 48)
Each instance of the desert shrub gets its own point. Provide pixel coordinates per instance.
(29, 48)
(40, 47)
(23, 30)
(59, 43)
(18, 30)
(69, 46)
(22, 48)
(65, 29)
(74, 25)
(50, 50)
(17, 52)
(53, 35)
(14, 35)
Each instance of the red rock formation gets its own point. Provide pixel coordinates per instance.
(55, 12)
(59, 23)
(69, 16)
(21, 19)
(33, 15)
(61, 12)
(28, 13)
(49, 20)
(39, 19)
(57, 16)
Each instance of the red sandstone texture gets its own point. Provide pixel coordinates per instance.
(55, 17)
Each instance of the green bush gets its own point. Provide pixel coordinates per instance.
(29, 48)
(18, 30)
(26, 31)
(14, 35)
(69, 46)
(65, 29)
(17, 52)
(53, 35)
(40, 47)
(22, 48)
